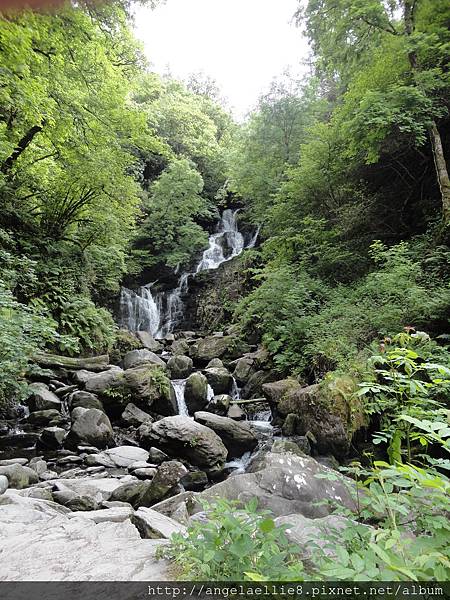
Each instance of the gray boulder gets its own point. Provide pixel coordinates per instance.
(135, 358)
(154, 525)
(180, 366)
(118, 514)
(219, 379)
(220, 404)
(130, 492)
(124, 456)
(215, 363)
(237, 437)
(179, 347)
(156, 456)
(134, 416)
(196, 392)
(287, 484)
(166, 478)
(18, 476)
(150, 388)
(236, 413)
(180, 436)
(148, 341)
(100, 383)
(225, 346)
(44, 417)
(42, 398)
(4, 484)
(92, 427)
(52, 437)
(85, 400)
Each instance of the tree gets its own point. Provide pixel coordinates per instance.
(339, 28)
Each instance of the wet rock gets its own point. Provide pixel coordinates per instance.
(136, 358)
(195, 481)
(166, 478)
(180, 367)
(220, 404)
(4, 484)
(243, 369)
(85, 400)
(64, 390)
(52, 437)
(18, 476)
(287, 484)
(134, 416)
(19, 440)
(157, 456)
(182, 437)
(44, 417)
(237, 437)
(41, 543)
(72, 459)
(90, 426)
(42, 398)
(196, 392)
(169, 337)
(219, 379)
(148, 341)
(153, 525)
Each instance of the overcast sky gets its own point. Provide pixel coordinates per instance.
(243, 44)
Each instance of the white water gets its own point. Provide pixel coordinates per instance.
(161, 313)
(178, 387)
(239, 464)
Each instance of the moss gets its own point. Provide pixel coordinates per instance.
(338, 392)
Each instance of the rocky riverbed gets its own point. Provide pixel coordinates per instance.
(111, 455)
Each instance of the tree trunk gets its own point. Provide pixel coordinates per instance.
(21, 147)
(441, 170)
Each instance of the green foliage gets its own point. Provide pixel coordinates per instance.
(23, 332)
(235, 544)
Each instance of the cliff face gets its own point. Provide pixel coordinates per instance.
(213, 296)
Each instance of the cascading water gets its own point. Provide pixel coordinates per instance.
(179, 386)
(160, 314)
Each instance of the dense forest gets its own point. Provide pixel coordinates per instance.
(111, 174)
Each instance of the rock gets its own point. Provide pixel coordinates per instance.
(235, 412)
(94, 363)
(287, 484)
(48, 475)
(169, 337)
(196, 392)
(194, 481)
(150, 387)
(182, 437)
(38, 465)
(243, 370)
(105, 381)
(108, 515)
(42, 398)
(139, 464)
(166, 478)
(91, 426)
(4, 484)
(179, 347)
(237, 437)
(82, 376)
(215, 363)
(39, 493)
(180, 367)
(136, 358)
(314, 416)
(64, 390)
(290, 425)
(85, 400)
(44, 417)
(123, 456)
(42, 541)
(98, 488)
(157, 456)
(220, 404)
(13, 461)
(145, 473)
(130, 492)
(298, 445)
(81, 503)
(134, 416)
(148, 341)
(52, 437)
(170, 507)
(254, 386)
(211, 347)
(219, 379)
(153, 525)
(18, 476)
(19, 440)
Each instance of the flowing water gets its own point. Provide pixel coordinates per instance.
(160, 313)
(179, 387)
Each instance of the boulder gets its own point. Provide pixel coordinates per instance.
(166, 478)
(156, 456)
(219, 379)
(18, 476)
(150, 387)
(130, 492)
(90, 426)
(4, 484)
(124, 456)
(79, 503)
(195, 481)
(134, 416)
(85, 400)
(179, 347)
(314, 414)
(180, 367)
(93, 363)
(97, 488)
(148, 341)
(215, 363)
(254, 386)
(286, 484)
(211, 347)
(44, 417)
(296, 445)
(13, 461)
(144, 472)
(220, 404)
(136, 358)
(105, 381)
(117, 514)
(196, 392)
(235, 412)
(180, 436)
(82, 376)
(237, 437)
(42, 541)
(42, 398)
(52, 437)
(243, 369)
(154, 525)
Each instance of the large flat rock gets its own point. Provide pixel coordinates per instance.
(38, 542)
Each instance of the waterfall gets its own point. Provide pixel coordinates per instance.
(178, 387)
(161, 313)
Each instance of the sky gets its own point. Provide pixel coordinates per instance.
(243, 44)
